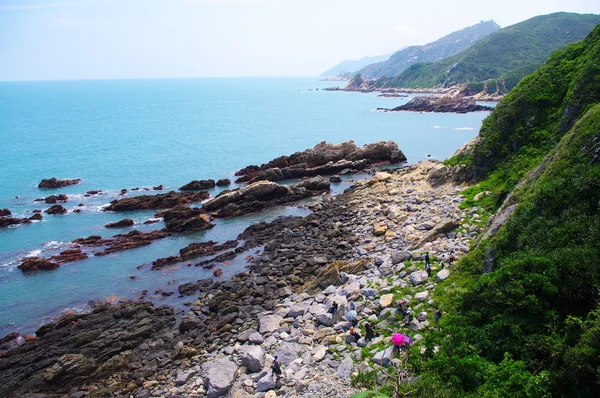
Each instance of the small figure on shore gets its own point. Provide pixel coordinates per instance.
(369, 332)
(422, 316)
(437, 316)
(352, 305)
(451, 258)
(400, 307)
(354, 333)
(333, 309)
(428, 269)
(276, 366)
(351, 316)
(409, 316)
(427, 260)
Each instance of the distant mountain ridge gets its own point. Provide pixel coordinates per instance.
(442, 48)
(351, 66)
(501, 59)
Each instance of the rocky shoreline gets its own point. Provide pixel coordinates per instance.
(361, 246)
(439, 105)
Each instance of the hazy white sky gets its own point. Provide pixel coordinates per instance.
(85, 39)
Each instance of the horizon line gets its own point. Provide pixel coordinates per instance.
(157, 78)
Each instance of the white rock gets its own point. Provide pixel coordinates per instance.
(220, 374)
(422, 296)
(253, 357)
(441, 275)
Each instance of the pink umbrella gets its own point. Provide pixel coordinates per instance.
(398, 339)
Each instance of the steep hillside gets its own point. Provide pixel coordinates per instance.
(504, 57)
(351, 66)
(523, 316)
(439, 49)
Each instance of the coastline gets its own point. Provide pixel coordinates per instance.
(212, 329)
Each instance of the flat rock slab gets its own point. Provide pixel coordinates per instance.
(269, 323)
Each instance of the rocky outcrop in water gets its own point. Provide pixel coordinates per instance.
(5, 213)
(194, 250)
(55, 183)
(185, 219)
(76, 349)
(126, 222)
(121, 242)
(262, 194)
(440, 105)
(197, 185)
(56, 209)
(155, 202)
(223, 182)
(33, 264)
(323, 159)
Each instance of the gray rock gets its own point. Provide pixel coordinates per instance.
(345, 368)
(384, 358)
(400, 256)
(256, 338)
(422, 296)
(183, 377)
(441, 275)
(142, 393)
(418, 277)
(369, 292)
(295, 311)
(253, 357)
(269, 323)
(288, 352)
(243, 336)
(267, 382)
(220, 374)
(325, 319)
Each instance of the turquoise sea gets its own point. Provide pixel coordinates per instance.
(116, 134)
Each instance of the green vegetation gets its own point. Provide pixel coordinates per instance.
(527, 324)
(508, 54)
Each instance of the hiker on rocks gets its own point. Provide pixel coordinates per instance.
(437, 316)
(333, 309)
(351, 316)
(451, 258)
(354, 333)
(400, 307)
(422, 316)
(409, 316)
(427, 261)
(276, 366)
(428, 269)
(369, 332)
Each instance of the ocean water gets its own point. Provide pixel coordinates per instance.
(116, 134)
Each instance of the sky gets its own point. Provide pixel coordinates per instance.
(103, 39)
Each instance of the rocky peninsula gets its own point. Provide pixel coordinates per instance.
(439, 105)
(363, 246)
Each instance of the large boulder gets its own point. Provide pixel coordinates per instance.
(345, 368)
(253, 357)
(219, 376)
(441, 275)
(126, 222)
(384, 358)
(418, 277)
(269, 323)
(288, 352)
(330, 275)
(266, 382)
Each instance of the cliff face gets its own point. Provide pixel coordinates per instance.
(439, 49)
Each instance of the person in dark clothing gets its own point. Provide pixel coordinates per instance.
(437, 316)
(368, 332)
(427, 261)
(428, 269)
(276, 366)
(333, 309)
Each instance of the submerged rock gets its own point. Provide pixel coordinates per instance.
(126, 222)
(197, 185)
(33, 264)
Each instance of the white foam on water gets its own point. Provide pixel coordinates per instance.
(33, 253)
(436, 127)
